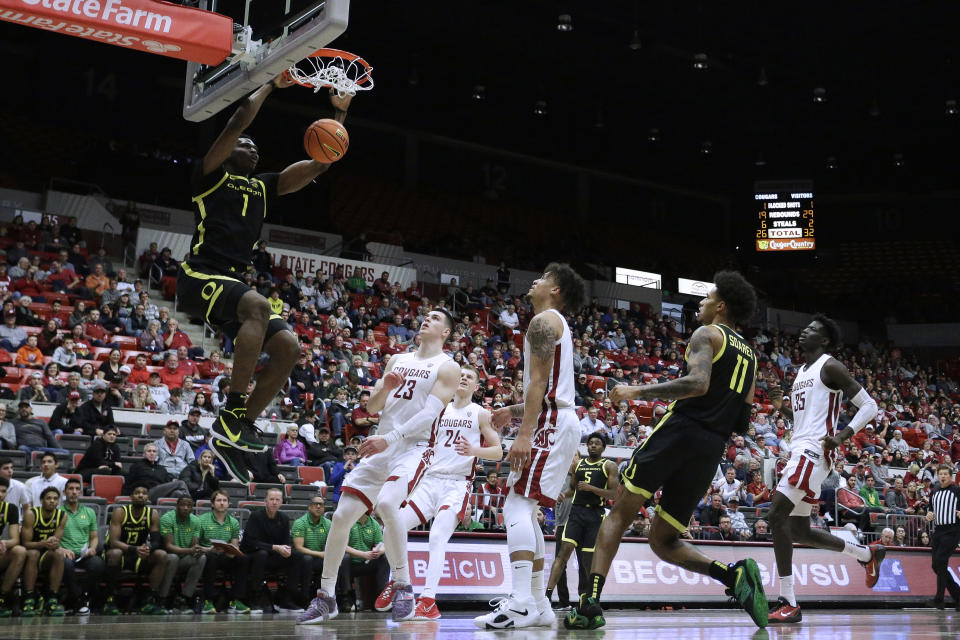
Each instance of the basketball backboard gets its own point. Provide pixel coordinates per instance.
(270, 36)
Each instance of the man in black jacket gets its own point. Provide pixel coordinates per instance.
(266, 540)
(102, 456)
(95, 414)
(149, 473)
(65, 414)
(325, 453)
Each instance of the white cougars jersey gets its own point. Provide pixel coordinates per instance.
(560, 391)
(452, 425)
(405, 401)
(816, 407)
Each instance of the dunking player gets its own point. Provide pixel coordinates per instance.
(544, 446)
(231, 204)
(710, 402)
(461, 435)
(815, 401)
(412, 394)
(593, 481)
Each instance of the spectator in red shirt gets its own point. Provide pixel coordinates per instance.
(66, 280)
(139, 373)
(170, 374)
(186, 366)
(93, 331)
(210, 368)
(492, 498)
(29, 285)
(173, 338)
(382, 284)
(868, 440)
(759, 490)
(361, 419)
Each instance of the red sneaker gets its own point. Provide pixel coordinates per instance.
(385, 599)
(872, 566)
(426, 610)
(783, 613)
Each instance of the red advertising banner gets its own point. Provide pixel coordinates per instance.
(478, 569)
(145, 25)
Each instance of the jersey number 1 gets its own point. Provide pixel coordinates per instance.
(741, 370)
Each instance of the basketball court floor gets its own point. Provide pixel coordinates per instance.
(914, 624)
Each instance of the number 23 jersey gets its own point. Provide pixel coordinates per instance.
(404, 402)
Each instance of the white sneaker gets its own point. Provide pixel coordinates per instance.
(546, 618)
(508, 613)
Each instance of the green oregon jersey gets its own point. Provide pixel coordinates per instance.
(43, 529)
(731, 378)
(135, 532)
(594, 473)
(229, 211)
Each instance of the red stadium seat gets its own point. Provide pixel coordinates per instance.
(107, 487)
(309, 475)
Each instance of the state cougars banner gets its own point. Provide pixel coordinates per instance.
(145, 25)
(478, 568)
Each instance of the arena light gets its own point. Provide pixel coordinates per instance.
(479, 92)
(832, 162)
(898, 160)
(635, 43)
(874, 111)
(653, 134)
(819, 95)
(540, 108)
(565, 23)
(700, 62)
(760, 161)
(762, 78)
(951, 109)
(706, 147)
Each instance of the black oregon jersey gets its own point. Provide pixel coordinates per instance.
(43, 529)
(731, 378)
(135, 532)
(9, 514)
(229, 211)
(594, 473)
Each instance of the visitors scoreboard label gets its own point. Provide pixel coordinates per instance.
(785, 218)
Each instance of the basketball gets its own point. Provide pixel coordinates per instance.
(326, 140)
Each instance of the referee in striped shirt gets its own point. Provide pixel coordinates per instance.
(945, 514)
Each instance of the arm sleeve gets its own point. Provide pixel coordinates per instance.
(418, 426)
(866, 410)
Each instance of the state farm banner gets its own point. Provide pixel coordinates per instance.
(310, 263)
(479, 569)
(152, 26)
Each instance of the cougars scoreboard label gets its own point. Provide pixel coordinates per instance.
(785, 218)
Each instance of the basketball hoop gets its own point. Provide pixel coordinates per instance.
(342, 71)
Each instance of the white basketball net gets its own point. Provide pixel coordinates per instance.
(345, 76)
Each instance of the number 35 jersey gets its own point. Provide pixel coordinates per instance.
(452, 425)
(404, 402)
(816, 407)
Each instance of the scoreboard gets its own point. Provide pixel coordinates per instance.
(785, 218)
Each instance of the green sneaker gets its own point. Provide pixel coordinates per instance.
(236, 606)
(151, 608)
(179, 605)
(54, 608)
(586, 615)
(110, 607)
(208, 608)
(748, 590)
(5, 610)
(40, 605)
(29, 609)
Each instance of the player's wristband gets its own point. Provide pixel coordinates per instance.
(419, 423)
(866, 410)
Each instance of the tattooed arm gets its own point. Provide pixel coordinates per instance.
(704, 343)
(542, 335)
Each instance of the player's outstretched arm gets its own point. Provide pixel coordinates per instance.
(491, 450)
(300, 174)
(704, 343)
(777, 401)
(249, 107)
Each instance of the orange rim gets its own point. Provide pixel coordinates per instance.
(337, 53)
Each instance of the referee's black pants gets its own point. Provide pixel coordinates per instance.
(943, 542)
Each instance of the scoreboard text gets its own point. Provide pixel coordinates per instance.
(785, 219)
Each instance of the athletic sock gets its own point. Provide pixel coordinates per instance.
(721, 572)
(235, 400)
(858, 551)
(539, 593)
(522, 573)
(548, 594)
(786, 590)
(596, 586)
